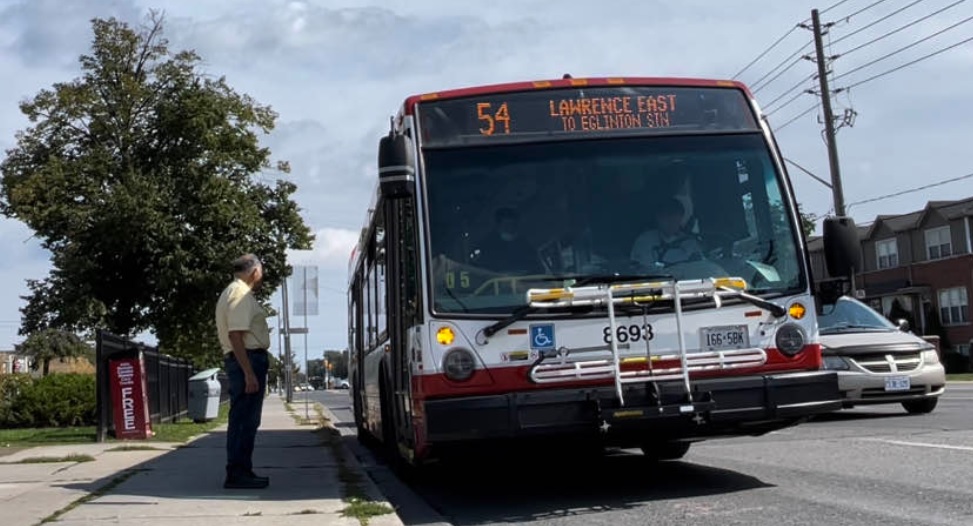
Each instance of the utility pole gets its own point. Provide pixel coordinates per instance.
(829, 129)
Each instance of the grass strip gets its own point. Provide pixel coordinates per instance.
(110, 485)
(180, 431)
(358, 504)
(54, 460)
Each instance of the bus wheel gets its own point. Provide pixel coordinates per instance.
(390, 443)
(361, 432)
(657, 451)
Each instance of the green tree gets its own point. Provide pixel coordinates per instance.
(142, 177)
(808, 221)
(51, 344)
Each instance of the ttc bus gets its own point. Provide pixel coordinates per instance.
(617, 260)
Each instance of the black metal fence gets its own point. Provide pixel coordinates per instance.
(167, 380)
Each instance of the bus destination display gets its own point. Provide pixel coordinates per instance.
(547, 113)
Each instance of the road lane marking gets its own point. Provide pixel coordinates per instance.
(921, 444)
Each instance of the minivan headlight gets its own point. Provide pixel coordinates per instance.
(790, 339)
(835, 363)
(459, 364)
(930, 356)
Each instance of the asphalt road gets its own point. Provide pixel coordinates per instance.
(863, 466)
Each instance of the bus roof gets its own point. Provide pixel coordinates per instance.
(410, 102)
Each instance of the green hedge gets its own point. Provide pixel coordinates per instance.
(56, 400)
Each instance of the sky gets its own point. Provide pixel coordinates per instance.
(336, 70)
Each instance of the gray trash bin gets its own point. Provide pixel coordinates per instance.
(204, 396)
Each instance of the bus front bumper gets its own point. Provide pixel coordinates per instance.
(749, 405)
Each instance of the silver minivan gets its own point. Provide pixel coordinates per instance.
(877, 361)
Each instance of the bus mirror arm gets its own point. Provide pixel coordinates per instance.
(776, 310)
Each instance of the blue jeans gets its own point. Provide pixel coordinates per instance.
(245, 412)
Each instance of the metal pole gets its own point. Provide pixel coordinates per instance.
(288, 381)
(280, 353)
(836, 189)
(307, 368)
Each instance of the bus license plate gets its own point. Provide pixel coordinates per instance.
(724, 338)
(897, 383)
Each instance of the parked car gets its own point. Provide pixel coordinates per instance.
(878, 361)
(342, 383)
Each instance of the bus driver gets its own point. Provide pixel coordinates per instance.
(669, 242)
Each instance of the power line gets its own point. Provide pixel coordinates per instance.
(798, 116)
(907, 64)
(860, 11)
(912, 190)
(805, 170)
(826, 9)
(758, 86)
(772, 46)
(906, 26)
(903, 65)
(785, 35)
(796, 86)
(789, 101)
(880, 20)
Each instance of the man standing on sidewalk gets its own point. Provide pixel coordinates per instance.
(241, 323)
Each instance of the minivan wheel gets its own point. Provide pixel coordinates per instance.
(665, 450)
(920, 407)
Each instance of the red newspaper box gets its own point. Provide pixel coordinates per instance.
(130, 406)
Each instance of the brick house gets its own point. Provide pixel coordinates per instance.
(918, 266)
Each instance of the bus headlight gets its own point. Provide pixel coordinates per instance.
(459, 364)
(790, 339)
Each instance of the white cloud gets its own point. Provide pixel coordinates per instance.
(331, 252)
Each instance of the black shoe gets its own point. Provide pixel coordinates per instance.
(258, 477)
(245, 483)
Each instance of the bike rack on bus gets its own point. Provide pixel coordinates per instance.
(642, 294)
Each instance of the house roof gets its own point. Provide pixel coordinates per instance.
(909, 221)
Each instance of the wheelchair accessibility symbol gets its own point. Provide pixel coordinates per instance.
(542, 337)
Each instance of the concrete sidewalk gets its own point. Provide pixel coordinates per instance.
(311, 478)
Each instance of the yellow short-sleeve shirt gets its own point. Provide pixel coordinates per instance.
(238, 310)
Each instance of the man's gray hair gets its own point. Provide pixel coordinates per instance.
(245, 263)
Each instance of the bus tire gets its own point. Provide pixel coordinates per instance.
(390, 443)
(360, 430)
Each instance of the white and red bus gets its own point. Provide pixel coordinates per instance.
(619, 260)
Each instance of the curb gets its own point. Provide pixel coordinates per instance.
(371, 489)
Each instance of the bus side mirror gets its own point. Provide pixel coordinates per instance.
(842, 255)
(396, 168)
(842, 248)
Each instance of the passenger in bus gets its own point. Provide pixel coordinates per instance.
(669, 242)
(504, 249)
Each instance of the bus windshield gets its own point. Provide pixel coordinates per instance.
(503, 218)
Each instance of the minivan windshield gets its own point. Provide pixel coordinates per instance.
(505, 218)
(850, 315)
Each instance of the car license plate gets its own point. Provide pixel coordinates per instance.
(897, 383)
(724, 338)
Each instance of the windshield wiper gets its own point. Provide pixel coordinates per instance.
(521, 313)
(616, 278)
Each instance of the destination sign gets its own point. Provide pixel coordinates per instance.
(583, 111)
